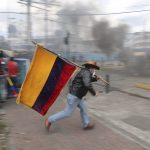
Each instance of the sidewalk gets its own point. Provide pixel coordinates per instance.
(26, 132)
(131, 85)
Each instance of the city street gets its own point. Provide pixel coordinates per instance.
(122, 123)
(128, 115)
(44, 44)
(125, 110)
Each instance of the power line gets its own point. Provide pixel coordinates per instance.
(33, 6)
(18, 13)
(104, 14)
(42, 3)
(98, 14)
(45, 4)
(12, 12)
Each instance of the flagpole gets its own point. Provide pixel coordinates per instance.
(58, 55)
(65, 59)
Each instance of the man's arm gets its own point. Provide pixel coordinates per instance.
(87, 82)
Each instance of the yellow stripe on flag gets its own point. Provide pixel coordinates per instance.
(40, 68)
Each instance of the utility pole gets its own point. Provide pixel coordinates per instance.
(29, 23)
(46, 23)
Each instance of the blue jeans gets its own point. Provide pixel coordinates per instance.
(72, 103)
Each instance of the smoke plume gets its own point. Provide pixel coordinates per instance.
(71, 14)
(109, 39)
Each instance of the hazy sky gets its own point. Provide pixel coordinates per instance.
(137, 21)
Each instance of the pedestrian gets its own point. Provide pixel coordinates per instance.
(13, 71)
(79, 87)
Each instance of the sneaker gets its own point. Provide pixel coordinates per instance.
(47, 125)
(89, 126)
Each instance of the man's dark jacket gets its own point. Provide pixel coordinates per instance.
(82, 83)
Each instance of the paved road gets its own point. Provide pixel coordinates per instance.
(127, 114)
(26, 131)
(122, 123)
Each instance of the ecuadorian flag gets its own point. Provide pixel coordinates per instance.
(45, 79)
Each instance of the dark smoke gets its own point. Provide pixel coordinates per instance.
(125, 55)
(70, 14)
(109, 39)
(135, 65)
(139, 65)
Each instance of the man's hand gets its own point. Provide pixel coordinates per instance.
(96, 77)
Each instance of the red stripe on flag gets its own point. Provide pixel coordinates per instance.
(64, 77)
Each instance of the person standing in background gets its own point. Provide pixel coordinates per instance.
(13, 71)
